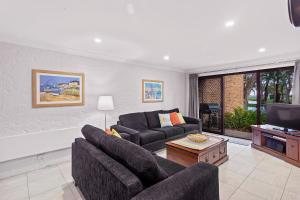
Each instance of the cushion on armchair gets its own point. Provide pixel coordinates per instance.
(149, 136)
(92, 134)
(137, 159)
(170, 131)
(153, 119)
(136, 121)
(170, 111)
(189, 127)
(142, 164)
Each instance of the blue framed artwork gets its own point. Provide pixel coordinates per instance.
(153, 91)
(54, 88)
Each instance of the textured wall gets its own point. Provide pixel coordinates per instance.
(234, 92)
(123, 81)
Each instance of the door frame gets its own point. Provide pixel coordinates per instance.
(258, 88)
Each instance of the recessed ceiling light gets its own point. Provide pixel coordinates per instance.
(261, 50)
(130, 9)
(230, 23)
(166, 57)
(97, 40)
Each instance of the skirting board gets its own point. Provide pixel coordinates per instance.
(36, 143)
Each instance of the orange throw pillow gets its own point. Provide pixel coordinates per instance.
(108, 132)
(174, 118)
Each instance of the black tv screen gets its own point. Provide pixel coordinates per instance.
(284, 115)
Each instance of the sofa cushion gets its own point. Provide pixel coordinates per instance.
(168, 166)
(170, 131)
(92, 134)
(153, 119)
(165, 120)
(137, 159)
(148, 136)
(188, 127)
(136, 121)
(125, 136)
(170, 111)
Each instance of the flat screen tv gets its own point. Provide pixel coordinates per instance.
(286, 116)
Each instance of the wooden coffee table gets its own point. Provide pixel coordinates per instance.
(215, 154)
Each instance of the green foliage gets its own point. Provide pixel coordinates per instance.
(71, 92)
(241, 119)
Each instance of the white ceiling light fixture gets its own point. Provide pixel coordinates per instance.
(130, 9)
(97, 40)
(166, 57)
(230, 23)
(262, 50)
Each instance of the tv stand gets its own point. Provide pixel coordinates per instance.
(281, 144)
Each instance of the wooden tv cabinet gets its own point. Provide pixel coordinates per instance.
(260, 133)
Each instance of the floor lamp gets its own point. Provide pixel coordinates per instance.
(105, 103)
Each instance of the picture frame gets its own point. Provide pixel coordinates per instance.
(57, 88)
(152, 91)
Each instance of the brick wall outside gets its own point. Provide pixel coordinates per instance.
(234, 92)
(211, 90)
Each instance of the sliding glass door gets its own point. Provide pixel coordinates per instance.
(211, 103)
(231, 103)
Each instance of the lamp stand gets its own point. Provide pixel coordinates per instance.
(105, 119)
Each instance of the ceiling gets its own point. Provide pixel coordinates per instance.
(192, 33)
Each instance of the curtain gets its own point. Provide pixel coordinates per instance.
(296, 84)
(193, 96)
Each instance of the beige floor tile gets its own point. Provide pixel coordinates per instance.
(272, 165)
(243, 195)
(278, 162)
(295, 173)
(226, 191)
(278, 178)
(66, 171)
(162, 153)
(261, 189)
(289, 195)
(44, 180)
(293, 185)
(14, 188)
(248, 160)
(76, 192)
(238, 167)
(227, 176)
(60, 193)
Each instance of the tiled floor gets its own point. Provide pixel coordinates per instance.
(248, 175)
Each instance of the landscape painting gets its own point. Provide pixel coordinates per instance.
(53, 88)
(152, 91)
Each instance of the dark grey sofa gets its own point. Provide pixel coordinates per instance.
(145, 130)
(101, 172)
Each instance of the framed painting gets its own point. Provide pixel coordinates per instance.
(55, 88)
(153, 91)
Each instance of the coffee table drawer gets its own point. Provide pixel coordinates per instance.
(204, 158)
(214, 155)
(223, 150)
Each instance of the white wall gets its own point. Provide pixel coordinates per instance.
(25, 131)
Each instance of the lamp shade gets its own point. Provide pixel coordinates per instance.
(105, 103)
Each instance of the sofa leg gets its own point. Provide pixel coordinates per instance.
(75, 184)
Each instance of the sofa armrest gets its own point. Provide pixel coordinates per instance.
(191, 120)
(134, 134)
(99, 176)
(197, 182)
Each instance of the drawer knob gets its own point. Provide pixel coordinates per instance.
(292, 146)
(206, 159)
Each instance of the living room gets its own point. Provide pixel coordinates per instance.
(188, 86)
